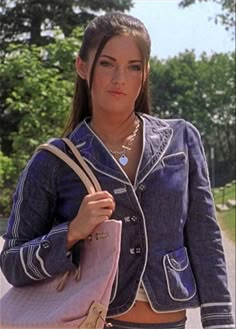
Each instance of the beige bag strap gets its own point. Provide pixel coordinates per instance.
(84, 174)
(83, 164)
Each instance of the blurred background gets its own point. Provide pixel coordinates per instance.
(192, 74)
(192, 77)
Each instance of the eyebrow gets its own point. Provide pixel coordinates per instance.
(130, 61)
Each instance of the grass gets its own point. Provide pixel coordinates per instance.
(229, 193)
(227, 218)
(227, 221)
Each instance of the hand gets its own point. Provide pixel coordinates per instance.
(95, 209)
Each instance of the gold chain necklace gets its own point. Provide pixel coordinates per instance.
(123, 159)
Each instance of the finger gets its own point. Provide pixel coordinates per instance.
(102, 218)
(105, 212)
(104, 203)
(99, 195)
(95, 213)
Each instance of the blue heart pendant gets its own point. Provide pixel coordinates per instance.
(123, 160)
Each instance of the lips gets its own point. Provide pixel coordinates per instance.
(117, 92)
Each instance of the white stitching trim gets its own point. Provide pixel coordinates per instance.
(23, 265)
(168, 285)
(173, 266)
(108, 175)
(41, 262)
(20, 200)
(143, 148)
(216, 315)
(56, 231)
(173, 155)
(117, 163)
(215, 304)
(146, 240)
(31, 265)
(80, 145)
(221, 326)
(159, 157)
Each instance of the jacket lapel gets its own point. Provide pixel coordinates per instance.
(95, 152)
(157, 135)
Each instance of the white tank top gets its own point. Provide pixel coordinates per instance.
(141, 295)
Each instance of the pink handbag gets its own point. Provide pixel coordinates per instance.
(77, 304)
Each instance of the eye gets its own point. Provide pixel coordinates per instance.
(136, 67)
(105, 63)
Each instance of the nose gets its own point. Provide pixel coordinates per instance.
(119, 76)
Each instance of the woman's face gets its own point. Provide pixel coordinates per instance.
(117, 77)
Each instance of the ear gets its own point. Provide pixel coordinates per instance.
(81, 68)
(146, 72)
(148, 68)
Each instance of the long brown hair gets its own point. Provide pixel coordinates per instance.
(96, 35)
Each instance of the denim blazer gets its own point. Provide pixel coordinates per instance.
(171, 241)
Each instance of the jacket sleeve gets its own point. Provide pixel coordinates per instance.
(204, 242)
(34, 249)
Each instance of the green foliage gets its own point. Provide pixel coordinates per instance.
(36, 88)
(7, 176)
(227, 17)
(202, 92)
(37, 84)
(34, 22)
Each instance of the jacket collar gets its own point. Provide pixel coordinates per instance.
(157, 135)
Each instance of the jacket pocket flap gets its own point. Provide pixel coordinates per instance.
(178, 259)
(174, 159)
(179, 276)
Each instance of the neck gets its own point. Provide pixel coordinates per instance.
(115, 129)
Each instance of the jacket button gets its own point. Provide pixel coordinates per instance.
(134, 219)
(138, 250)
(141, 187)
(45, 244)
(135, 251)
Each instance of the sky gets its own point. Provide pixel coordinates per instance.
(174, 30)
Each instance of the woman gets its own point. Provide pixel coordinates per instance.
(154, 178)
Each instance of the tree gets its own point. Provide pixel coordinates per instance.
(202, 92)
(36, 87)
(33, 22)
(227, 17)
(7, 181)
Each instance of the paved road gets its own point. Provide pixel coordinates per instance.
(193, 315)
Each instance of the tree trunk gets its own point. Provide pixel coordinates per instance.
(35, 30)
